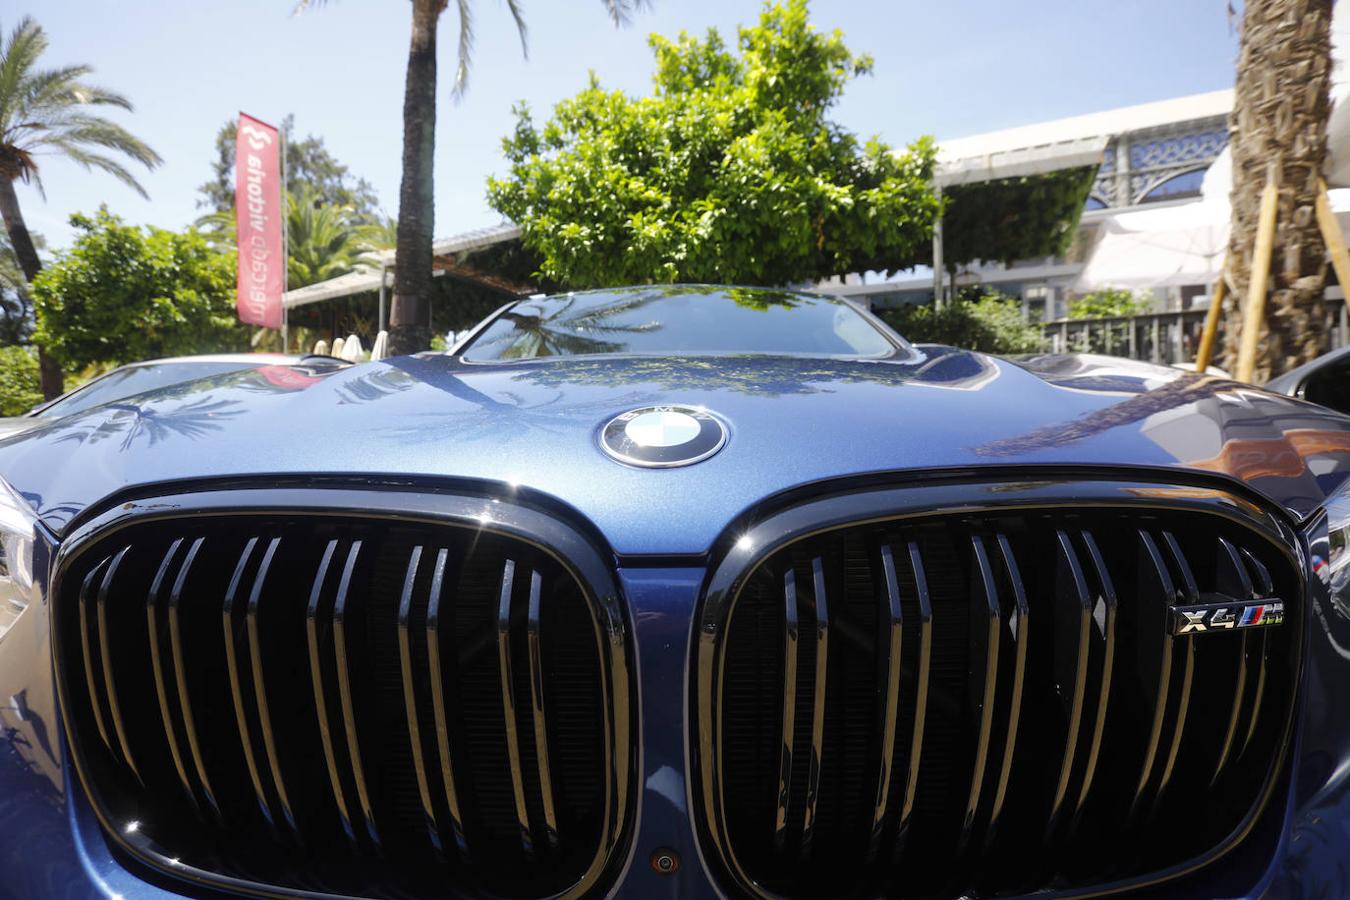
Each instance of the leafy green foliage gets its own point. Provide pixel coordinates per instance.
(989, 322)
(309, 166)
(729, 172)
(1110, 303)
(20, 383)
(1014, 218)
(325, 241)
(123, 293)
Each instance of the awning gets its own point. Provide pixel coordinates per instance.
(445, 254)
(358, 282)
(1155, 248)
(1017, 162)
(1169, 246)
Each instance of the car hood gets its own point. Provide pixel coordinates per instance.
(532, 425)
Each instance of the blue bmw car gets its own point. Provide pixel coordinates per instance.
(679, 592)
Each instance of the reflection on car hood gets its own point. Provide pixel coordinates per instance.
(17, 424)
(793, 421)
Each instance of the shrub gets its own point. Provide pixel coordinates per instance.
(20, 390)
(990, 323)
(121, 294)
(1110, 303)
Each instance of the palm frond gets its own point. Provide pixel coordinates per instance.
(18, 55)
(47, 88)
(521, 28)
(91, 161)
(306, 5)
(621, 11)
(465, 61)
(99, 132)
(93, 95)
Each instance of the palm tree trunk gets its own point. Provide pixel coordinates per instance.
(1279, 116)
(53, 382)
(408, 321)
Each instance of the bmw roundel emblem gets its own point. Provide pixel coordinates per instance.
(660, 437)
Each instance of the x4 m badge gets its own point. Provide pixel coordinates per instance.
(1221, 617)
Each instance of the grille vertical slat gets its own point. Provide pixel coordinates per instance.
(1190, 594)
(814, 761)
(892, 637)
(318, 625)
(921, 682)
(537, 713)
(410, 695)
(513, 728)
(791, 636)
(1104, 614)
(1261, 650)
(87, 646)
(983, 674)
(1073, 619)
(438, 702)
(153, 601)
(235, 638)
(260, 686)
(180, 676)
(105, 655)
(1155, 660)
(1232, 579)
(344, 678)
(1018, 623)
(1022, 668)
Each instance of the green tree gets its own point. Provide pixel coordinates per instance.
(52, 111)
(1109, 303)
(731, 171)
(988, 322)
(325, 241)
(123, 293)
(20, 383)
(309, 166)
(409, 330)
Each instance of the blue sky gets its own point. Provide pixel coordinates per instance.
(948, 68)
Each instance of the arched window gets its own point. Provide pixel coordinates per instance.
(1178, 187)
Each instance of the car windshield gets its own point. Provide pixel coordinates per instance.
(131, 380)
(676, 321)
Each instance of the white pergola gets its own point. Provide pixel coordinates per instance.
(1071, 142)
(966, 162)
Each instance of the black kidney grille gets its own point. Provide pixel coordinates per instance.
(994, 703)
(344, 705)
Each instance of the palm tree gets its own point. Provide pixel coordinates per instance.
(1279, 122)
(324, 241)
(409, 329)
(47, 111)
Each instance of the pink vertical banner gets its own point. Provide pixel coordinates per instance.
(258, 212)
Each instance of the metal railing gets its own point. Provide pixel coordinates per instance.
(1164, 338)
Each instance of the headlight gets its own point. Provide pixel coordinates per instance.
(16, 556)
(1335, 568)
